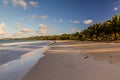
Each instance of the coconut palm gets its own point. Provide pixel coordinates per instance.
(115, 24)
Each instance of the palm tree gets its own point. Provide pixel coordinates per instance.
(97, 29)
(90, 32)
(107, 29)
(115, 24)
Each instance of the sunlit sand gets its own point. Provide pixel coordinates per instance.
(78, 61)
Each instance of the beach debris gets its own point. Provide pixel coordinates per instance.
(86, 56)
(110, 61)
(110, 56)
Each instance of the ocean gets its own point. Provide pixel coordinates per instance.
(17, 57)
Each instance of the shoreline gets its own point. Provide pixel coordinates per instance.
(74, 61)
(17, 60)
(14, 51)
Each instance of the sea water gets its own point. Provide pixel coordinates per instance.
(17, 58)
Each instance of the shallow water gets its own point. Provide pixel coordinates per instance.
(16, 61)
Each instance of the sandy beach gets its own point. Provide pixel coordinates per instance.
(78, 61)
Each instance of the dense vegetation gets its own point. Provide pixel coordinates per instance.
(76, 36)
(108, 30)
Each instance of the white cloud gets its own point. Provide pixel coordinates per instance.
(44, 17)
(58, 20)
(43, 29)
(116, 5)
(26, 30)
(89, 21)
(22, 28)
(18, 35)
(3, 30)
(5, 2)
(34, 3)
(117, 2)
(22, 31)
(75, 21)
(21, 3)
(34, 16)
(116, 8)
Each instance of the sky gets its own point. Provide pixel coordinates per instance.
(26, 18)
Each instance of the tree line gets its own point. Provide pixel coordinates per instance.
(108, 30)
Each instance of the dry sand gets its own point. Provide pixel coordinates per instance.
(78, 61)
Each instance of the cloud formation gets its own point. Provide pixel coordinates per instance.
(5, 2)
(34, 16)
(58, 20)
(75, 21)
(3, 30)
(44, 17)
(18, 35)
(22, 31)
(116, 5)
(21, 3)
(115, 8)
(22, 28)
(89, 21)
(34, 3)
(43, 29)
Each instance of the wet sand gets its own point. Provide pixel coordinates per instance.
(78, 61)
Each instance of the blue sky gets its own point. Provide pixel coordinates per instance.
(24, 18)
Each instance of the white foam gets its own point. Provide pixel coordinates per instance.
(16, 69)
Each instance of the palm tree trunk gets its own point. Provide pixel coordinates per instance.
(115, 35)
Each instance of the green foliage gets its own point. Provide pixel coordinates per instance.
(108, 30)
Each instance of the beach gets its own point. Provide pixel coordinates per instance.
(78, 60)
